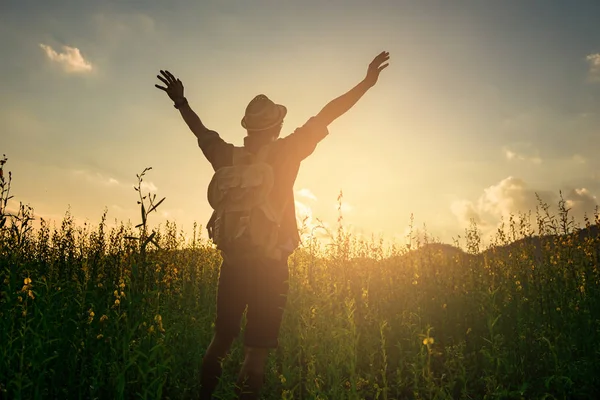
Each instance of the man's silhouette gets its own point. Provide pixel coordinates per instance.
(260, 284)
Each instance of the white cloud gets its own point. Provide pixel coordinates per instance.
(345, 207)
(581, 202)
(70, 59)
(513, 155)
(594, 63)
(306, 193)
(512, 196)
(149, 186)
(96, 177)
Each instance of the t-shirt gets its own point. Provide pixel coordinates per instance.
(285, 157)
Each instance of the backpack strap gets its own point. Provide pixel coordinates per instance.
(240, 156)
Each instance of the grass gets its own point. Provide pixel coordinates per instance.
(126, 312)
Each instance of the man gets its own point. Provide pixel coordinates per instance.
(261, 285)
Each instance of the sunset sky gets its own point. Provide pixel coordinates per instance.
(484, 104)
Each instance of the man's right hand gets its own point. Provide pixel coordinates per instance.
(174, 87)
(378, 64)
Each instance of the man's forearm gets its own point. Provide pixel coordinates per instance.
(339, 106)
(192, 120)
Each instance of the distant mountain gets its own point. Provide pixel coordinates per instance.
(534, 242)
(537, 242)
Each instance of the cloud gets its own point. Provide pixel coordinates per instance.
(70, 59)
(594, 64)
(149, 186)
(512, 196)
(306, 193)
(466, 212)
(96, 177)
(344, 207)
(581, 202)
(512, 155)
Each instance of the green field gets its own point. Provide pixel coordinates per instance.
(92, 312)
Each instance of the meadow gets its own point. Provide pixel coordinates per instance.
(126, 312)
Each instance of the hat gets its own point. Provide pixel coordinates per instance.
(262, 114)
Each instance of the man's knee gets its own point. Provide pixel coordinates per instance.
(219, 346)
(255, 360)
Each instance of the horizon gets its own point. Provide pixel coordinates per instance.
(80, 117)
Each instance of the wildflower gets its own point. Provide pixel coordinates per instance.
(103, 318)
(116, 294)
(30, 294)
(122, 285)
(282, 378)
(117, 302)
(151, 329)
(158, 320)
(24, 313)
(99, 285)
(27, 281)
(122, 294)
(428, 341)
(100, 336)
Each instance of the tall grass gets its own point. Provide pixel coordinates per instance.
(127, 312)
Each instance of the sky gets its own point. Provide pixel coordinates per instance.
(484, 105)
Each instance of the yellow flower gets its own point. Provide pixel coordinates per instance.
(151, 329)
(24, 313)
(103, 318)
(92, 314)
(117, 302)
(116, 293)
(30, 294)
(282, 378)
(27, 281)
(100, 336)
(428, 341)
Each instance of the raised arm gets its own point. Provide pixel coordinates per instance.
(339, 106)
(174, 88)
(215, 149)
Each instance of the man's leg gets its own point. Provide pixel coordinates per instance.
(231, 302)
(211, 364)
(252, 374)
(267, 293)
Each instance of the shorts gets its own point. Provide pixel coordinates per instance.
(262, 286)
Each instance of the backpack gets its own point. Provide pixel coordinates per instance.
(244, 221)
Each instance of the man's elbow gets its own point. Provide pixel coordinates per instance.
(324, 118)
